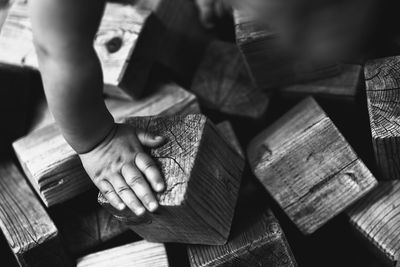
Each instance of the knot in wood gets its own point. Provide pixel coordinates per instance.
(114, 44)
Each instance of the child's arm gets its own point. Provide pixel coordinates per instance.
(111, 154)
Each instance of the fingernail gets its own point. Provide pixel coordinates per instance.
(159, 138)
(121, 206)
(140, 211)
(153, 206)
(159, 187)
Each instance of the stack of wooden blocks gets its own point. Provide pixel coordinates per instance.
(167, 74)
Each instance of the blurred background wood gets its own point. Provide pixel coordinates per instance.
(269, 63)
(223, 83)
(127, 44)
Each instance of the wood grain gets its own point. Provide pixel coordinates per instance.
(125, 49)
(269, 63)
(256, 239)
(308, 167)
(383, 96)
(376, 218)
(30, 232)
(223, 83)
(226, 130)
(141, 254)
(202, 174)
(343, 86)
(84, 225)
(53, 167)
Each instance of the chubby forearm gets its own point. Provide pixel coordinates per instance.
(73, 89)
(63, 34)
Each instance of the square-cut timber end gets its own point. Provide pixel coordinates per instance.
(202, 173)
(307, 166)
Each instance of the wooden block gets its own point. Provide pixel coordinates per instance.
(226, 130)
(84, 225)
(383, 95)
(342, 86)
(53, 167)
(308, 167)
(202, 174)
(141, 254)
(256, 239)
(376, 218)
(185, 39)
(30, 232)
(270, 64)
(126, 43)
(223, 83)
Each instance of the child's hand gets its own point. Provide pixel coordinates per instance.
(124, 174)
(210, 10)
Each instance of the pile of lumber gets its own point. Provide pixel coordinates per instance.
(254, 176)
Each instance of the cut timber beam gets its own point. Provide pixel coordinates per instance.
(30, 232)
(308, 167)
(270, 64)
(344, 86)
(127, 43)
(383, 98)
(53, 167)
(226, 130)
(202, 174)
(256, 239)
(223, 83)
(84, 225)
(377, 219)
(141, 254)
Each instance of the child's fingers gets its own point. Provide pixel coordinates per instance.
(108, 192)
(206, 8)
(148, 139)
(140, 187)
(148, 167)
(126, 194)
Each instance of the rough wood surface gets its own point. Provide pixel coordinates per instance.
(308, 167)
(126, 43)
(140, 254)
(344, 86)
(383, 95)
(223, 83)
(53, 167)
(30, 232)
(226, 130)
(202, 174)
(377, 218)
(270, 65)
(84, 225)
(256, 239)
